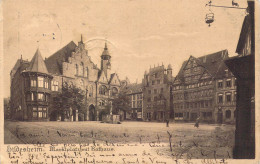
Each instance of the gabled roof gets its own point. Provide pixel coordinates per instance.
(37, 64)
(112, 76)
(102, 74)
(54, 62)
(134, 88)
(213, 63)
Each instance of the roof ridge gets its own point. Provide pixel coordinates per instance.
(62, 48)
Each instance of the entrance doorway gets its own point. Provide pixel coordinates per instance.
(92, 116)
(220, 117)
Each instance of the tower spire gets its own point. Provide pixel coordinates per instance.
(105, 46)
(81, 39)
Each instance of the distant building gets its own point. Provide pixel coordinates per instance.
(226, 92)
(243, 68)
(156, 93)
(35, 84)
(196, 93)
(135, 93)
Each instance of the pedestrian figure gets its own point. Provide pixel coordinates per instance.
(197, 122)
(167, 123)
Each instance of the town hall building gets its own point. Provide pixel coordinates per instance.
(36, 84)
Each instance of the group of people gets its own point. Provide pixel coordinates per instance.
(195, 125)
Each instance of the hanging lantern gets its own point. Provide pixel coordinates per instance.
(209, 18)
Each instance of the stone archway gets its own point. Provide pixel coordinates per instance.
(92, 113)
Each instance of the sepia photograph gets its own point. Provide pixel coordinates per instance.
(128, 81)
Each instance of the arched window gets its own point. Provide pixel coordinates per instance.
(102, 90)
(101, 103)
(81, 69)
(114, 91)
(90, 90)
(76, 69)
(228, 113)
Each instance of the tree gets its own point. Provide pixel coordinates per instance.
(71, 97)
(121, 103)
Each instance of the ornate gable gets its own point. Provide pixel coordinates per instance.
(114, 80)
(102, 78)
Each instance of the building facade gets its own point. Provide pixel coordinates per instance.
(226, 91)
(243, 68)
(195, 93)
(135, 93)
(40, 81)
(156, 93)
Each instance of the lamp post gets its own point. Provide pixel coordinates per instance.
(86, 105)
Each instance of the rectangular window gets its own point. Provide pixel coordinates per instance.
(40, 81)
(149, 92)
(228, 83)
(161, 90)
(40, 96)
(32, 97)
(202, 104)
(40, 114)
(35, 112)
(55, 85)
(220, 99)
(155, 91)
(220, 84)
(228, 97)
(46, 83)
(44, 115)
(158, 81)
(206, 103)
(153, 82)
(33, 83)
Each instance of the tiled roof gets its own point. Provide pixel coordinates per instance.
(134, 88)
(213, 63)
(37, 64)
(54, 62)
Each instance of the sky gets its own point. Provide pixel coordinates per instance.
(140, 33)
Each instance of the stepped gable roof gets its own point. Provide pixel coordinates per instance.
(54, 62)
(213, 63)
(37, 63)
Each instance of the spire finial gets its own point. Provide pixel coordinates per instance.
(21, 57)
(81, 39)
(105, 45)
